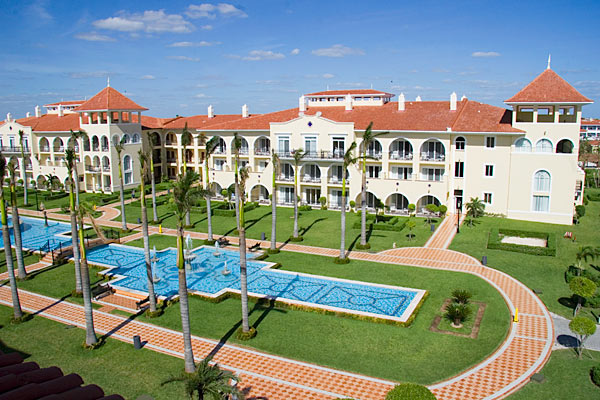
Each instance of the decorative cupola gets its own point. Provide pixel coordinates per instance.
(401, 102)
(109, 107)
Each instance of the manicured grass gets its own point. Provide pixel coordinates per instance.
(28, 258)
(162, 242)
(566, 378)
(544, 273)
(49, 204)
(116, 367)
(387, 351)
(318, 227)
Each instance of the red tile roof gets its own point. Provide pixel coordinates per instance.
(548, 87)
(470, 116)
(349, 91)
(590, 122)
(109, 99)
(65, 103)
(201, 121)
(52, 123)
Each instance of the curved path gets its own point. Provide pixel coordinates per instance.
(523, 353)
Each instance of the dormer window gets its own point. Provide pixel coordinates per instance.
(567, 114)
(545, 114)
(340, 99)
(525, 114)
(376, 98)
(322, 99)
(358, 98)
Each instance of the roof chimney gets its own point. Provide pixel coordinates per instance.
(463, 97)
(301, 104)
(60, 110)
(401, 101)
(418, 98)
(245, 111)
(348, 102)
(211, 112)
(38, 111)
(28, 114)
(453, 101)
(8, 117)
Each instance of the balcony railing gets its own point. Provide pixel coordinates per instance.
(92, 168)
(14, 149)
(220, 150)
(397, 155)
(59, 149)
(106, 168)
(104, 148)
(262, 152)
(311, 179)
(433, 157)
(171, 160)
(374, 155)
(315, 155)
(45, 149)
(335, 180)
(286, 178)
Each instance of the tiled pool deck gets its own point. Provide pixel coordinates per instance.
(205, 278)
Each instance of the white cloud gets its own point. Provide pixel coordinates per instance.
(148, 77)
(206, 27)
(94, 37)
(38, 9)
(338, 50)
(485, 54)
(202, 43)
(201, 96)
(148, 21)
(295, 52)
(183, 58)
(258, 55)
(328, 76)
(207, 10)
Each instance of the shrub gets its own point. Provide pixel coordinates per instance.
(66, 208)
(352, 204)
(461, 296)
(595, 372)
(580, 211)
(457, 313)
(443, 209)
(323, 202)
(305, 208)
(409, 391)
(411, 208)
(241, 335)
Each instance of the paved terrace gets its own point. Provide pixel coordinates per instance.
(524, 352)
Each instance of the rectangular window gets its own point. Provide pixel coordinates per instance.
(487, 198)
(287, 172)
(286, 195)
(489, 170)
(283, 145)
(312, 196)
(432, 174)
(338, 147)
(490, 142)
(262, 165)
(459, 169)
(403, 173)
(373, 171)
(219, 164)
(310, 145)
(541, 203)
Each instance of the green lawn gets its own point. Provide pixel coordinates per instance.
(116, 367)
(49, 204)
(29, 258)
(387, 351)
(566, 378)
(318, 227)
(537, 272)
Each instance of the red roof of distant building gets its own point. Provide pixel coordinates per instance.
(109, 99)
(52, 123)
(548, 87)
(200, 121)
(350, 91)
(470, 116)
(65, 103)
(590, 122)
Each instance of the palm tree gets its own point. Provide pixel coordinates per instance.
(70, 159)
(368, 138)
(119, 148)
(185, 195)
(240, 183)
(152, 179)
(74, 137)
(24, 172)
(17, 312)
(475, 209)
(186, 140)
(22, 274)
(50, 179)
(210, 148)
(143, 157)
(583, 254)
(349, 159)
(276, 164)
(298, 155)
(84, 209)
(209, 381)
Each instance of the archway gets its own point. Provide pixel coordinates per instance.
(397, 203)
(401, 149)
(424, 201)
(565, 146)
(259, 193)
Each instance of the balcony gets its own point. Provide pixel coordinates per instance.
(285, 178)
(104, 148)
(311, 179)
(92, 168)
(334, 180)
(106, 168)
(14, 149)
(45, 149)
(220, 150)
(375, 155)
(171, 160)
(433, 157)
(262, 152)
(314, 155)
(396, 155)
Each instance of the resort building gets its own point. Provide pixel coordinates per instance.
(590, 129)
(522, 162)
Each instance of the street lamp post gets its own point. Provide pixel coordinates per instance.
(37, 204)
(43, 208)
(458, 209)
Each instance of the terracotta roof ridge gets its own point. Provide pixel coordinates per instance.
(460, 112)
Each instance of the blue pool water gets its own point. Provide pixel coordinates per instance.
(35, 235)
(205, 276)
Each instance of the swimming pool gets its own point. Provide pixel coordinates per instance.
(205, 277)
(36, 235)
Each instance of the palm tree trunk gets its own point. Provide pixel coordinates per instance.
(343, 229)
(209, 218)
(184, 306)
(153, 182)
(146, 240)
(90, 332)
(274, 218)
(244, 280)
(123, 219)
(295, 207)
(363, 209)
(17, 312)
(75, 245)
(25, 197)
(76, 178)
(22, 273)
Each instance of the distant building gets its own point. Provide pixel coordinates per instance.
(590, 129)
(521, 162)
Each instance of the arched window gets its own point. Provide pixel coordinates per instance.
(116, 140)
(127, 169)
(126, 139)
(541, 181)
(460, 143)
(104, 143)
(543, 146)
(523, 145)
(564, 146)
(136, 138)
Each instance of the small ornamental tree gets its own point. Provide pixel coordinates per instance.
(475, 209)
(432, 208)
(410, 224)
(583, 328)
(582, 288)
(323, 201)
(443, 209)
(409, 391)
(411, 208)
(352, 205)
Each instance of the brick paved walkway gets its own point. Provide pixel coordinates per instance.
(523, 353)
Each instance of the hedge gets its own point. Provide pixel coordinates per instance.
(55, 196)
(409, 391)
(593, 196)
(494, 242)
(393, 224)
(231, 213)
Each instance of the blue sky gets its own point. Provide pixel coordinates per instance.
(178, 57)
